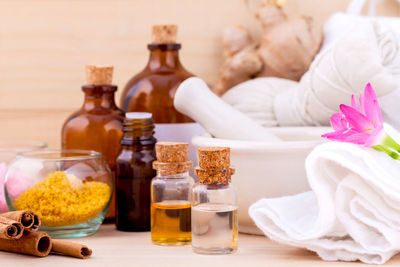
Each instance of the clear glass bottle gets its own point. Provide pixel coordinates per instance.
(135, 172)
(214, 204)
(170, 195)
(98, 124)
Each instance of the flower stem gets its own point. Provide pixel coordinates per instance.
(388, 151)
(389, 142)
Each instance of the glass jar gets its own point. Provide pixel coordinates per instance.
(171, 195)
(214, 219)
(70, 190)
(171, 209)
(214, 204)
(8, 151)
(135, 172)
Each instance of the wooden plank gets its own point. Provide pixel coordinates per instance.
(45, 44)
(33, 125)
(115, 248)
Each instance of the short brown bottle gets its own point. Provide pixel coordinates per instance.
(98, 124)
(134, 173)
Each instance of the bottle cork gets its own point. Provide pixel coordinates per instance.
(214, 157)
(99, 75)
(214, 165)
(164, 34)
(172, 152)
(172, 158)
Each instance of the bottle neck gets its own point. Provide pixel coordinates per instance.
(173, 176)
(164, 57)
(99, 97)
(138, 131)
(217, 186)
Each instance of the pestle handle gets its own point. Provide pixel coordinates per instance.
(195, 99)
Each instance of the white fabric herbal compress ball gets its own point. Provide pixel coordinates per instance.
(368, 51)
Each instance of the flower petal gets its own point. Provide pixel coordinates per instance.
(357, 121)
(361, 100)
(377, 120)
(369, 106)
(360, 139)
(353, 102)
(338, 121)
(339, 135)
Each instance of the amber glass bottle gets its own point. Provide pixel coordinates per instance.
(98, 124)
(153, 89)
(134, 172)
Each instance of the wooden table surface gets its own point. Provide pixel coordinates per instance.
(114, 248)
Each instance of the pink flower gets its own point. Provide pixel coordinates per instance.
(359, 124)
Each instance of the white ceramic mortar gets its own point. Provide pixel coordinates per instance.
(268, 169)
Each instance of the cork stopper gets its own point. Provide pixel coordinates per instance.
(172, 158)
(214, 165)
(164, 34)
(214, 157)
(99, 75)
(172, 152)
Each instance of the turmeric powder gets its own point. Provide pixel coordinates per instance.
(59, 203)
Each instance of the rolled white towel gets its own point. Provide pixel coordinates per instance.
(352, 212)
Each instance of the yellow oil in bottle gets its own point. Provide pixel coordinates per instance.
(171, 223)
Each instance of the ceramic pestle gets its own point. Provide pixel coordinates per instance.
(195, 99)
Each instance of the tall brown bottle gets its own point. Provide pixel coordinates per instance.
(153, 89)
(98, 124)
(135, 172)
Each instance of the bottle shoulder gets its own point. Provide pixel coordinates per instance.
(187, 179)
(148, 81)
(137, 155)
(153, 90)
(100, 114)
(214, 194)
(85, 119)
(213, 187)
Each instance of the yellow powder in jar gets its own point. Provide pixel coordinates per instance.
(59, 204)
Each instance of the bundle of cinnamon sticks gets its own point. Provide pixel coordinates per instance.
(18, 233)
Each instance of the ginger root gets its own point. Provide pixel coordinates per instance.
(286, 50)
(241, 59)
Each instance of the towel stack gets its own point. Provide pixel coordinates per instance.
(352, 212)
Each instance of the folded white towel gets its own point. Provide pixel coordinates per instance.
(352, 212)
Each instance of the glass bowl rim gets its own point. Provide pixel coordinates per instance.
(86, 155)
(18, 145)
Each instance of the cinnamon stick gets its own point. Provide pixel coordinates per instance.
(10, 229)
(29, 220)
(31, 243)
(71, 249)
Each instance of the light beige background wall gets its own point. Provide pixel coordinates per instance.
(44, 45)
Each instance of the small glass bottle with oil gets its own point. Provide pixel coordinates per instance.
(214, 204)
(170, 195)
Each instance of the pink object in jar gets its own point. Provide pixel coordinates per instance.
(17, 184)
